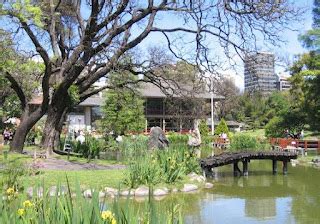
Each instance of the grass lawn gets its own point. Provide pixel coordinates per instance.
(86, 178)
(258, 133)
(84, 160)
(97, 179)
(311, 135)
(15, 158)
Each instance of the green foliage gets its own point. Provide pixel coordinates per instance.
(69, 209)
(244, 142)
(167, 166)
(176, 138)
(25, 10)
(12, 174)
(203, 128)
(133, 146)
(123, 111)
(73, 93)
(90, 148)
(275, 128)
(221, 128)
(11, 106)
(143, 171)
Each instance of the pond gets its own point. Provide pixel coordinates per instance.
(259, 198)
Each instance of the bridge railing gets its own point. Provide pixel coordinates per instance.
(283, 143)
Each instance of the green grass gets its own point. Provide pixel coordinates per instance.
(15, 157)
(308, 135)
(258, 133)
(84, 160)
(88, 178)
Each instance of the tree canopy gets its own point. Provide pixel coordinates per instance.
(123, 108)
(80, 42)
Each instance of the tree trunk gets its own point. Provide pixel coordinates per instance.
(28, 120)
(53, 127)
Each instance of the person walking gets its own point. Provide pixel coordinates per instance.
(302, 134)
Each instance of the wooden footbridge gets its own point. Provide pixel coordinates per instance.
(245, 157)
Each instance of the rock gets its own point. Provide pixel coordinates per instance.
(174, 190)
(208, 185)
(157, 139)
(160, 191)
(111, 191)
(159, 198)
(119, 139)
(189, 188)
(196, 177)
(127, 192)
(102, 194)
(140, 199)
(38, 192)
(54, 191)
(195, 138)
(88, 193)
(141, 191)
(315, 160)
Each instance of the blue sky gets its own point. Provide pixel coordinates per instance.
(288, 50)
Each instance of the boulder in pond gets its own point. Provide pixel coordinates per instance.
(189, 188)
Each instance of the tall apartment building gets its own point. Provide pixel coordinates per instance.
(259, 74)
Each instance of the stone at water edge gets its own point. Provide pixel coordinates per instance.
(53, 191)
(37, 193)
(195, 177)
(87, 193)
(189, 188)
(141, 191)
(127, 192)
(208, 185)
(102, 194)
(111, 191)
(160, 191)
(174, 190)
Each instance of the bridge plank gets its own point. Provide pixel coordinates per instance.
(229, 158)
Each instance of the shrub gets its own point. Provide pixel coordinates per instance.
(11, 175)
(221, 128)
(167, 166)
(203, 128)
(133, 146)
(274, 128)
(176, 138)
(144, 170)
(244, 142)
(90, 148)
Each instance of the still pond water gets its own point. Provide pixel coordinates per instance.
(259, 198)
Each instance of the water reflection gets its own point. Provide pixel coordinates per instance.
(259, 198)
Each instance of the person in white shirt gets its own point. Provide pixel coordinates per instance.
(81, 138)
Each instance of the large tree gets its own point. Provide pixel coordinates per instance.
(226, 87)
(82, 41)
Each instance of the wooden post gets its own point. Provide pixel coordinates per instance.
(245, 167)
(274, 166)
(285, 167)
(236, 169)
(207, 172)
